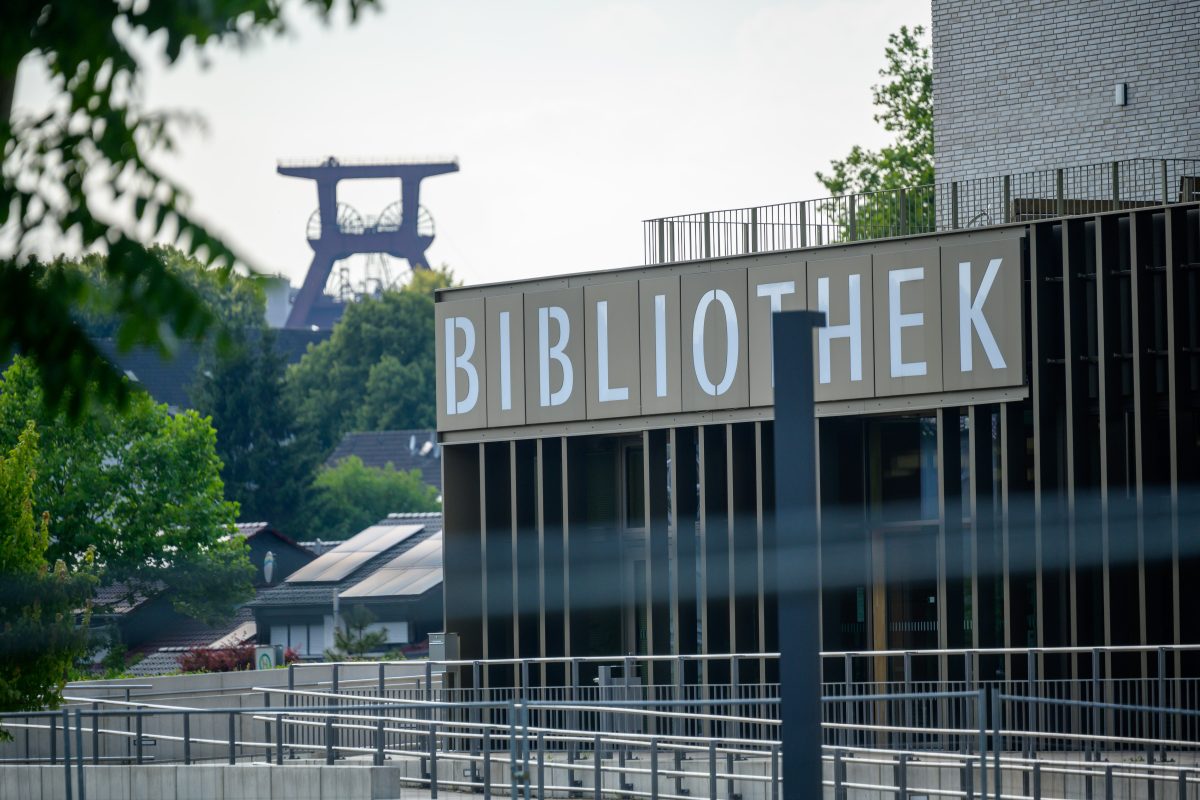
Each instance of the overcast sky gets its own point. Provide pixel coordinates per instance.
(572, 121)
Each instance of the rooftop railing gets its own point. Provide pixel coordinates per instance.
(952, 205)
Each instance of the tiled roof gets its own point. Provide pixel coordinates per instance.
(168, 380)
(248, 530)
(162, 652)
(295, 593)
(401, 449)
(118, 598)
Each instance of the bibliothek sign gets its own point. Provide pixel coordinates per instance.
(919, 317)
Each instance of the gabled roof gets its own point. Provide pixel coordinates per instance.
(404, 450)
(250, 530)
(317, 583)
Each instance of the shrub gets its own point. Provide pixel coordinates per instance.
(218, 659)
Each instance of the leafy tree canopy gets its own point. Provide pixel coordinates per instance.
(236, 301)
(351, 496)
(39, 639)
(905, 103)
(96, 133)
(268, 463)
(142, 489)
(376, 370)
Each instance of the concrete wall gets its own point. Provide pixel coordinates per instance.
(1029, 84)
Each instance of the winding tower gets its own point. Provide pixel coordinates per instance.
(335, 230)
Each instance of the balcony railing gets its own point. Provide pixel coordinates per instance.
(954, 205)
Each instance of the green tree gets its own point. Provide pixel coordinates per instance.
(351, 496)
(376, 370)
(352, 640)
(267, 463)
(905, 103)
(141, 488)
(39, 639)
(95, 128)
(236, 301)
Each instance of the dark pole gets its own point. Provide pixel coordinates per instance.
(796, 577)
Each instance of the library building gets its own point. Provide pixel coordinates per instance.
(1007, 394)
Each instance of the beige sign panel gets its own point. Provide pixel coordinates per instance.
(658, 301)
(769, 289)
(461, 373)
(506, 360)
(713, 340)
(908, 321)
(613, 374)
(982, 345)
(555, 372)
(841, 287)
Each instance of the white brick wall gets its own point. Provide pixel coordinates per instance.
(1028, 84)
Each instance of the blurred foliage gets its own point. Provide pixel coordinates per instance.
(905, 103)
(376, 370)
(39, 638)
(90, 149)
(140, 489)
(350, 497)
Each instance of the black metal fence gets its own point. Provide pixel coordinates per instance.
(975, 203)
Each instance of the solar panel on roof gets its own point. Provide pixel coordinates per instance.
(352, 554)
(396, 583)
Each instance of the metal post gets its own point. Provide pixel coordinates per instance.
(328, 738)
(487, 763)
(541, 763)
(379, 740)
(1060, 208)
(677, 759)
(997, 722)
(981, 713)
(66, 726)
(852, 232)
(1094, 755)
(712, 770)
(1108, 782)
(1162, 700)
(903, 212)
(433, 767)
(383, 678)
(837, 775)
(79, 749)
(775, 772)
(662, 241)
(908, 708)
(53, 740)
(512, 742)
(95, 734)
(1166, 190)
(707, 234)
(804, 225)
(848, 709)
(1006, 212)
(902, 778)
(796, 579)
(597, 779)
(1116, 185)
(138, 733)
(279, 739)
(729, 787)
(1037, 781)
(187, 738)
(654, 769)
(429, 680)
(754, 230)
(954, 205)
(1030, 687)
(232, 739)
